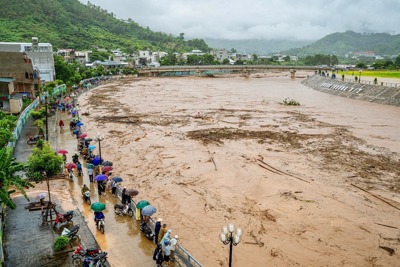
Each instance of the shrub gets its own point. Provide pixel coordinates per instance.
(290, 102)
(60, 243)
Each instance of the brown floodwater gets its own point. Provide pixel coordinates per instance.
(209, 151)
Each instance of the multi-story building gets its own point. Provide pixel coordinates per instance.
(18, 66)
(40, 53)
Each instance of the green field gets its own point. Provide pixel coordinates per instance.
(395, 74)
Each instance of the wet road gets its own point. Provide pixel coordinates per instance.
(123, 241)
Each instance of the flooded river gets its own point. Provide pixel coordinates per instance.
(210, 151)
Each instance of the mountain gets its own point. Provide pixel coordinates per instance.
(71, 24)
(343, 43)
(253, 46)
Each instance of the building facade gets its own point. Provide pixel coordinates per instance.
(41, 55)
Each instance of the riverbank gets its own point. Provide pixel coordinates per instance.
(209, 151)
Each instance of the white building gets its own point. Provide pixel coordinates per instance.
(41, 55)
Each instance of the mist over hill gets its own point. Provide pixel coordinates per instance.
(71, 24)
(342, 43)
(260, 47)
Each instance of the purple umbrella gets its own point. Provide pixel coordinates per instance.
(100, 177)
(73, 112)
(96, 161)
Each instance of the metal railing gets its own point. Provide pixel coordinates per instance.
(21, 121)
(182, 256)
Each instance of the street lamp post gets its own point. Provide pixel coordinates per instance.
(47, 118)
(227, 237)
(99, 138)
(77, 111)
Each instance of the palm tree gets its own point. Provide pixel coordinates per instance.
(10, 181)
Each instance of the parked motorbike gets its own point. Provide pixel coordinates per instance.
(100, 224)
(71, 234)
(121, 209)
(81, 251)
(98, 261)
(33, 139)
(63, 218)
(145, 229)
(86, 197)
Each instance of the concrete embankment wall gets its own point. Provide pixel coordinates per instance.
(365, 92)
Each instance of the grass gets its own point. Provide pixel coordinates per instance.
(395, 74)
(290, 102)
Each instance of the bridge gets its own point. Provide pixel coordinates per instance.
(245, 70)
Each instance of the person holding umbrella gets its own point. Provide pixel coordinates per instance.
(61, 124)
(98, 215)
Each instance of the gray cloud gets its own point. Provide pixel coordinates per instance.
(259, 19)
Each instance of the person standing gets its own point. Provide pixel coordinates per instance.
(114, 188)
(100, 187)
(157, 229)
(90, 173)
(167, 251)
(123, 196)
(61, 124)
(173, 242)
(162, 232)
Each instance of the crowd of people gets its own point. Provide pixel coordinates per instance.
(165, 242)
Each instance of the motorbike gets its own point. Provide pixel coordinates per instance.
(71, 175)
(71, 234)
(98, 261)
(81, 251)
(63, 218)
(120, 209)
(145, 229)
(33, 139)
(86, 197)
(100, 224)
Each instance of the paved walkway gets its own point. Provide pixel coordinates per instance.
(123, 241)
(27, 241)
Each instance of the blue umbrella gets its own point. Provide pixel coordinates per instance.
(91, 147)
(80, 124)
(76, 131)
(149, 210)
(100, 177)
(117, 179)
(96, 161)
(73, 112)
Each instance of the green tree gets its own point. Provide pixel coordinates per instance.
(225, 61)
(192, 60)
(9, 180)
(7, 124)
(361, 65)
(207, 59)
(43, 160)
(397, 61)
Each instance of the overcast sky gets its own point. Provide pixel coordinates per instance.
(258, 19)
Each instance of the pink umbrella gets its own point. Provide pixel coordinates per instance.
(70, 165)
(62, 151)
(83, 136)
(106, 168)
(67, 98)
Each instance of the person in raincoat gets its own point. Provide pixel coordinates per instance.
(98, 215)
(61, 124)
(84, 189)
(162, 232)
(157, 228)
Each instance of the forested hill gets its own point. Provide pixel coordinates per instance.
(345, 42)
(71, 24)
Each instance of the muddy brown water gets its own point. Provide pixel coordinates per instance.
(205, 152)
